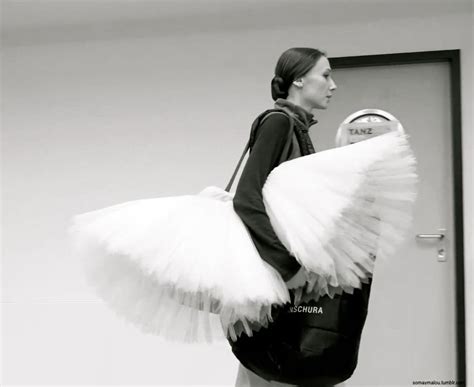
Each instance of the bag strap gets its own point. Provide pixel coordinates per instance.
(258, 121)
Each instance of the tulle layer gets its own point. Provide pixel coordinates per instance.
(338, 210)
(182, 267)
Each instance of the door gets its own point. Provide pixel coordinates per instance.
(410, 332)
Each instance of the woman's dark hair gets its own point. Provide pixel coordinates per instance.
(293, 64)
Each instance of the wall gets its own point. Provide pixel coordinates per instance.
(102, 119)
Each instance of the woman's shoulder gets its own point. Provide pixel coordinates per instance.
(276, 116)
(273, 126)
(276, 123)
(272, 119)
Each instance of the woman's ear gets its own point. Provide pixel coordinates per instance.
(298, 82)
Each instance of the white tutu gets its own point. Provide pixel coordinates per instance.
(169, 261)
(185, 267)
(338, 210)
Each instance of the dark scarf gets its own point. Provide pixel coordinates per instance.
(303, 121)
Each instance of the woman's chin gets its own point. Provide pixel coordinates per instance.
(321, 107)
(322, 104)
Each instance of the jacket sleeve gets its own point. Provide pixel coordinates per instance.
(270, 139)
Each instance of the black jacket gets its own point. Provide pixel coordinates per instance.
(266, 154)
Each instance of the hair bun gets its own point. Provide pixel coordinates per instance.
(279, 89)
(278, 80)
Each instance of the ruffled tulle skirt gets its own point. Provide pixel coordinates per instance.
(185, 267)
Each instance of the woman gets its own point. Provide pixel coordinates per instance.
(302, 82)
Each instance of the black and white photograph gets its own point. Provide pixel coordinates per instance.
(237, 193)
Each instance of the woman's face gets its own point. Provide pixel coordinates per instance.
(317, 85)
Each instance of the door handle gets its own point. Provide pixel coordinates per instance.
(430, 236)
(440, 241)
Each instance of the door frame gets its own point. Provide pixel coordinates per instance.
(452, 57)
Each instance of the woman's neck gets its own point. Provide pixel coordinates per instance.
(297, 101)
(298, 110)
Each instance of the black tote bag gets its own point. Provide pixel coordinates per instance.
(313, 343)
